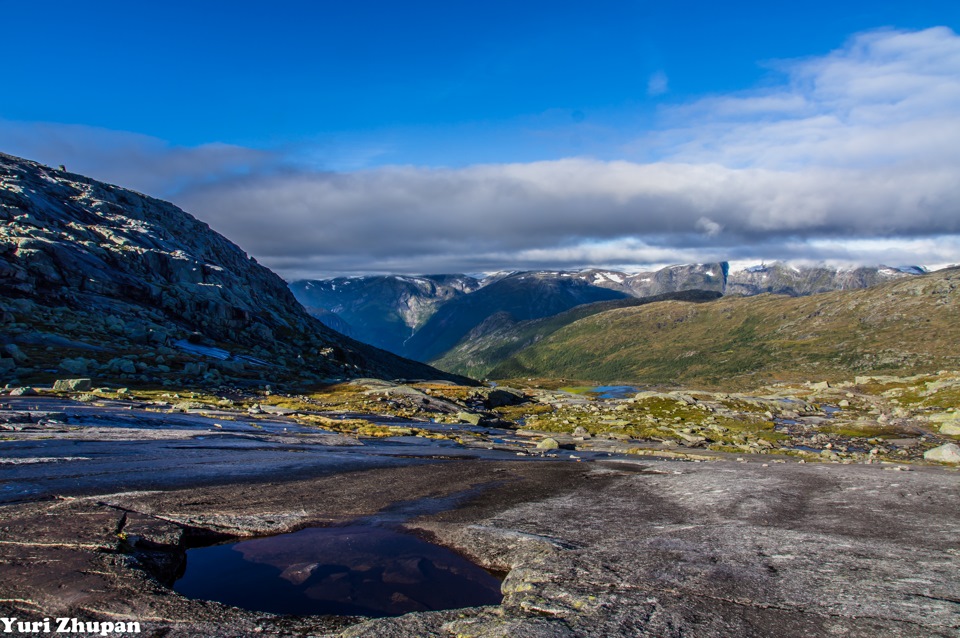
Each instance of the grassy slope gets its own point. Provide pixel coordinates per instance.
(500, 338)
(906, 326)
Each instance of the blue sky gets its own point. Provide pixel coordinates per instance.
(416, 108)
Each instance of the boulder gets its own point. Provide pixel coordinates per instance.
(948, 453)
(469, 417)
(548, 444)
(72, 385)
(23, 392)
(504, 396)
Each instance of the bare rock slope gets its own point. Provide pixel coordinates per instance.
(99, 280)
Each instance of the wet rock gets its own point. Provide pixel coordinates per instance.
(72, 385)
(947, 453)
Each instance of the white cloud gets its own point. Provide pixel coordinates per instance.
(658, 84)
(132, 160)
(708, 226)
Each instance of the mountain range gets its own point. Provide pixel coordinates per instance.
(99, 280)
(449, 319)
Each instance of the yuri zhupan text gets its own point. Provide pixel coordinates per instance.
(67, 626)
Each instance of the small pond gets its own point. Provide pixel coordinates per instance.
(364, 570)
(614, 391)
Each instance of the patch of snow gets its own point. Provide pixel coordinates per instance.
(207, 351)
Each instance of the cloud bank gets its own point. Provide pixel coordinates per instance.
(852, 156)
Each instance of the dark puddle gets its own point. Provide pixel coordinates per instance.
(368, 568)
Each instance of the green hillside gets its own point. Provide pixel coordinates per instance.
(500, 337)
(904, 327)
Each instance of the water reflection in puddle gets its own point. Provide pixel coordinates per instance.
(361, 570)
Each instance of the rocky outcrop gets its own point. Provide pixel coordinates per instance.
(137, 287)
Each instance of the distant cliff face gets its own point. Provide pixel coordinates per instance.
(707, 277)
(783, 279)
(383, 311)
(131, 285)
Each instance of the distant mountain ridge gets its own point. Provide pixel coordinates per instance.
(99, 280)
